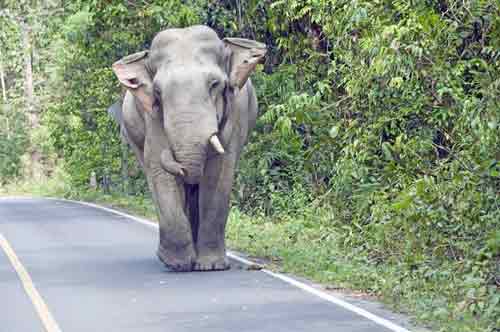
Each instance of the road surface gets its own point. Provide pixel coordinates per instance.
(86, 269)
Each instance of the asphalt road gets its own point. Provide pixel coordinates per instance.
(97, 271)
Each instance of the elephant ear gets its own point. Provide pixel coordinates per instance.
(133, 74)
(246, 54)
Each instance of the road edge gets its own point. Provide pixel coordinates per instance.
(285, 278)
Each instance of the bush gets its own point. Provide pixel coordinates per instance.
(13, 142)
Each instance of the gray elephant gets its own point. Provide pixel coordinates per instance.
(187, 113)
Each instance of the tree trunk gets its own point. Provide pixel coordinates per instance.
(2, 79)
(28, 69)
(29, 94)
(240, 24)
(4, 96)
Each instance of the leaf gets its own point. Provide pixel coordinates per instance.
(493, 242)
(386, 149)
(403, 202)
(334, 131)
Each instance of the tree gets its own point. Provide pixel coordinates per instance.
(31, 20)
(2, 79)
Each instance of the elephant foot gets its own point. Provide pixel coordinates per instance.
(211, 263)
(176, 264)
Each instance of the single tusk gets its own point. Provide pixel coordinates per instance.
(214, 140)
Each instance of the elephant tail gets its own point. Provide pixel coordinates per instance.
(115, 111)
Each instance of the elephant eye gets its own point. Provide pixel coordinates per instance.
(217, 86)
(214, 84)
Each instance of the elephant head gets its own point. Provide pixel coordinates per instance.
(187, 80)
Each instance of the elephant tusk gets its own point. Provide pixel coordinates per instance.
(214, 140)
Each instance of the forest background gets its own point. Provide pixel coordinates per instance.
(375, 165)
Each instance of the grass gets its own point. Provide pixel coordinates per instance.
(441, 296)
(312, 247)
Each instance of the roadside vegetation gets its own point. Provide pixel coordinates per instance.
(375, 165)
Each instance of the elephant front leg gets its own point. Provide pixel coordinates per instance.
(176, 249)
(215, 190)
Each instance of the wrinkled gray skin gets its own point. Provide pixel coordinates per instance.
(190, 86)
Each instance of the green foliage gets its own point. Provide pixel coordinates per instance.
(13, 142)
(376, 159)
(391, 122)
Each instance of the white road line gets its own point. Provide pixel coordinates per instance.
(325, 296)
(48, 321)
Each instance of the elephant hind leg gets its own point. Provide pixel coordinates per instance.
(192, 205)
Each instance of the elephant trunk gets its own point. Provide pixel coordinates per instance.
(170, 165)
(192, 134)
(192, 163)
(190, 166)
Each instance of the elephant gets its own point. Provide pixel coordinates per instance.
(187, 113)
